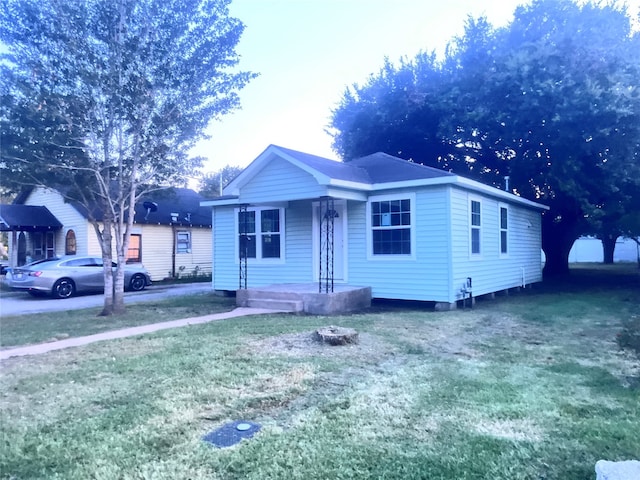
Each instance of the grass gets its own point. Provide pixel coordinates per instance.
(45, 327)
(529, 386)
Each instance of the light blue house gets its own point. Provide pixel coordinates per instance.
(403, 230)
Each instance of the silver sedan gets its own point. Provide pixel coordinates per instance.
(66, 276)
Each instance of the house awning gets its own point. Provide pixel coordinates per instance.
(27, 218)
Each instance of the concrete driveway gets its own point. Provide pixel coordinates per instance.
(21, 303)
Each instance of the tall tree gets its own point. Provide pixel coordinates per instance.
(103, 99)
(211, 184)
(553, 101)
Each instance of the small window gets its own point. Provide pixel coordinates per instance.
(134, 253)
(183, 242)
(504, 231)
(70, 243)
(476, 225)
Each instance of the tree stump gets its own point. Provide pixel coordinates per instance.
(336, 335)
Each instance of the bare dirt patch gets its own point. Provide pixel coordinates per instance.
(304, 344)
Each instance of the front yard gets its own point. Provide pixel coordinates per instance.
(528, 386)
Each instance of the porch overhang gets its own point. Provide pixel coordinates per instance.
(27, 218)
(331, 191)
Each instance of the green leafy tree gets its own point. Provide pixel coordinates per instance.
(552, 100)
(211, 184)
(102, 100)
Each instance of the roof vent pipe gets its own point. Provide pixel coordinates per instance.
(506, 183)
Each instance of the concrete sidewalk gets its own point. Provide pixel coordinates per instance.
(129, 332)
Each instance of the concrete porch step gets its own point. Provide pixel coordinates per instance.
(305, 298)
(272, 294)
(276, 304)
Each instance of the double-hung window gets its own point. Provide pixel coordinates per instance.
(260, 233)
(391, 220)
(504, 230)
(183, 241)
(476, 226)
(134, 253)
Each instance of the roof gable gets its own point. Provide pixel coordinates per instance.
(322, 169)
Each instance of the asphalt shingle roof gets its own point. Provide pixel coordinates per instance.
(383, 168)
(375, 168)
(183, 201)
(28, 218)
(330, 168)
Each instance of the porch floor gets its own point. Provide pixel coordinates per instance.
(304, 297)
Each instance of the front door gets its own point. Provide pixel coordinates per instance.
(339, 240)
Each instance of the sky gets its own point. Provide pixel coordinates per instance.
(308, 52)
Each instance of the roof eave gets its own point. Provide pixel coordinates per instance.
(228, 200)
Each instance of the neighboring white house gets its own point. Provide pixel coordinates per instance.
(589, 249)
(405, 230)
(171, 234)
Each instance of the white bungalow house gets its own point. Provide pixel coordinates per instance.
(402, 230)
(171, 234)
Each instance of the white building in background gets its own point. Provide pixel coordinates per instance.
(589, 249)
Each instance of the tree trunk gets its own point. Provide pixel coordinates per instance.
(557, 240)
(106, 238)
(608, 245)
(118, 289)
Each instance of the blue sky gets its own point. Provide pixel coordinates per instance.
(308, 51)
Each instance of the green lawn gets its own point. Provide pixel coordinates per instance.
(47, 327)
(527, 386)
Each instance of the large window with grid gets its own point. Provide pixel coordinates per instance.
(260, 233)
(391, 223)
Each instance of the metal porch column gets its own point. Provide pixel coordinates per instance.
(243, 251)
(327, 214)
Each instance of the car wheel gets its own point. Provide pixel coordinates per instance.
(63, 288)
(138, 282)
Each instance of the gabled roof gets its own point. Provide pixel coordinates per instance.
(27, 218)
(372, 173)
(383, 168)
(350, 172)
(162, 205)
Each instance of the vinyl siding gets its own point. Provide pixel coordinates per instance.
(491, 271)
(297, 266)
(424, 277)
(157, 246)
(440, 262)
(70, 218)
(280, 181)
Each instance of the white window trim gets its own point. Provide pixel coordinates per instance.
(190, 245)
(412, 205)
(472, 255)
(259, 260)
(500, 230)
